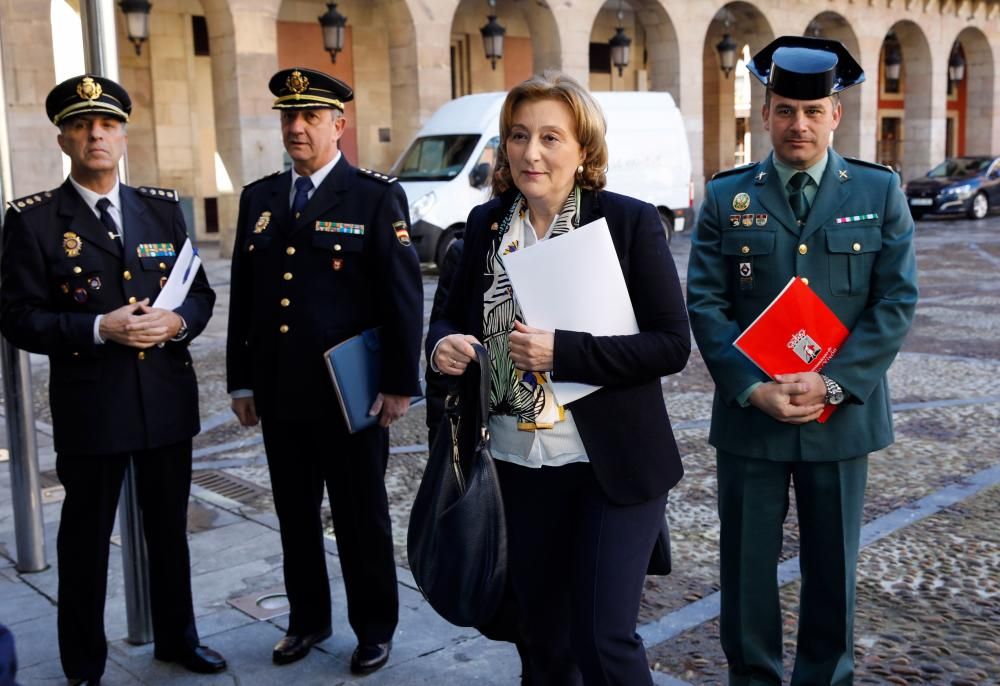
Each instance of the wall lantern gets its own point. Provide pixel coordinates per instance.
(956, 65)
(893, 58)
(136, 21)
(333, 23)
(620, 43)
(727, 48)
(492, 34)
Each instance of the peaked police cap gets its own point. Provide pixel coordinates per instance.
(300, 89)
(85, 94)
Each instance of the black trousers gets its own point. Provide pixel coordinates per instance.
(303, 458)
(93, 484)
(577, 563)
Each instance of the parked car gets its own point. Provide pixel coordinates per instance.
(959, 185)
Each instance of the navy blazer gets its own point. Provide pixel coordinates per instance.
(624, 425)
(109, 398)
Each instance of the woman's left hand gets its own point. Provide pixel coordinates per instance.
(531, 349)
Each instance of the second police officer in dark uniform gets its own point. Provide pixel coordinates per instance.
(322, 253)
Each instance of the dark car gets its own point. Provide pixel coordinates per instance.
(959, 185)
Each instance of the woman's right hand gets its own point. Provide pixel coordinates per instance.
(453, 354)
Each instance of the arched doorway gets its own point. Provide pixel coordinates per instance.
(654, 62)
(905, 133)
(847, 138)
(472, 72)
(971, 99)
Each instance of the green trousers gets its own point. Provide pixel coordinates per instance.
(753, 503)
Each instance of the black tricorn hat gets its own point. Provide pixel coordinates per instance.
(301, 89)
(85, 94)
(805, 68)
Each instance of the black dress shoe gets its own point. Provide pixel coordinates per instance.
(295, 647)
(200, 659)
(84, 682)
(369, 657)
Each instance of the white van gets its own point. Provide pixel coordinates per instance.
(446, 170)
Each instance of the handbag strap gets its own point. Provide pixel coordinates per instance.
(483, 359)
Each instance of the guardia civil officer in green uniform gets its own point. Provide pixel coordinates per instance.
(843, 226)
(323, 253)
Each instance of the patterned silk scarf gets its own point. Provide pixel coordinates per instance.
(514, 392)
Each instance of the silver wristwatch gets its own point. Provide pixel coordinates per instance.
(834, 393)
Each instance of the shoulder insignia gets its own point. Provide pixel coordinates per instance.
(866, 163)
(378, 176)
(168, 194)
(263, 178)
(32, 201)
(727, 172)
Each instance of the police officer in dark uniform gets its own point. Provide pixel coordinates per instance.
(322, 253)
(843, 227)
(82, 265)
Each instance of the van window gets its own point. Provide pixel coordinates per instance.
(436, 158)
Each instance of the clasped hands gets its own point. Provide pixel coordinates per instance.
(531, 350)
(791, 398)
(138, 325)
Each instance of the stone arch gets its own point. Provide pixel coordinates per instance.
(980, 104)
(747, 26)
(922, 141)
(847, 138)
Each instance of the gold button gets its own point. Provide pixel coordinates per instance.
(142, 355)
(131, 300)
(745, 250)
(76, 354)
(250, 249)
(285, 302)
(857, 247)
(283, 328)
(77, 269)
(803, 249)
(290, 250)
(805, 280)
(127, 275)
(336, 246)
(163, 265)
(288, 276)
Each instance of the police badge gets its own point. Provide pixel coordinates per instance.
(72, 244)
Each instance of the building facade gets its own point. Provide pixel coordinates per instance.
(203, 122)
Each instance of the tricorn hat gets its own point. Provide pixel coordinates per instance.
(300, 89)
(805, 68)
(85, 94)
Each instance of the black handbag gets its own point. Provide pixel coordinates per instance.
(457, 539)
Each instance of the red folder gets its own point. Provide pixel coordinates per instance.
(796, 333)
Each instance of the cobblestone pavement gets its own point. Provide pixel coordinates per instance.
(928, 594)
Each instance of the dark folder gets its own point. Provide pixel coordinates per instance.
(354, 368)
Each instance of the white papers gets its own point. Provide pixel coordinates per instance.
(575, 283)
(181, 277)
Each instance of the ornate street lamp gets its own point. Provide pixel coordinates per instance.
(956, 65)
(136, 21)
(727, 49)
(333, 23)
(893, 58)
(492, 34)
(620, 43)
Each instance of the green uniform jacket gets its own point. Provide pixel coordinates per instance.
(856, 250)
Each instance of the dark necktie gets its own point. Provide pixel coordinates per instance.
(109, 222)
(303, 185)
(797, 196)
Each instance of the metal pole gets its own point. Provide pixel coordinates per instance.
(29, 525)
(100, 46)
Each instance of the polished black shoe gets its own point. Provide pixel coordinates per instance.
(369, 657)
(84, 682)
(201, 659)
(294, 647)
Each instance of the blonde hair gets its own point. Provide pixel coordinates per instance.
(591, 127)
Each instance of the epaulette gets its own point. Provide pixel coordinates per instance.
(866, 163)
(378, 176)
(263, 178)
(168, 194)
(30, 201)
(727, 172)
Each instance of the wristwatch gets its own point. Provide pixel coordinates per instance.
(834, 393)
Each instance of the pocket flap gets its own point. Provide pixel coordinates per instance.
(855, 240)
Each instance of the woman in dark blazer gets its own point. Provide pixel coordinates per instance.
(585, 485)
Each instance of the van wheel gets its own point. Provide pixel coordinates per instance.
(667, 219)
(444, 244)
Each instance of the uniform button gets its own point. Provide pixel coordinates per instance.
(142, 355)
(805, 280)
(290, 250)
(250, 249)
(336, 246)
(857, 247)
(745, 250)
(283, 328)
(163, 266)
(287, 276)
(131, 300)
(803, 249)
(285, 302)
(76, 354)
(77, 269)
(127, 275)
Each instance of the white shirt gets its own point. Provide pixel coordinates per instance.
(90, 198)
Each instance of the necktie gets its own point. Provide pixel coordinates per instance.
(109, 222)
(797, 196)
(303, 185)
